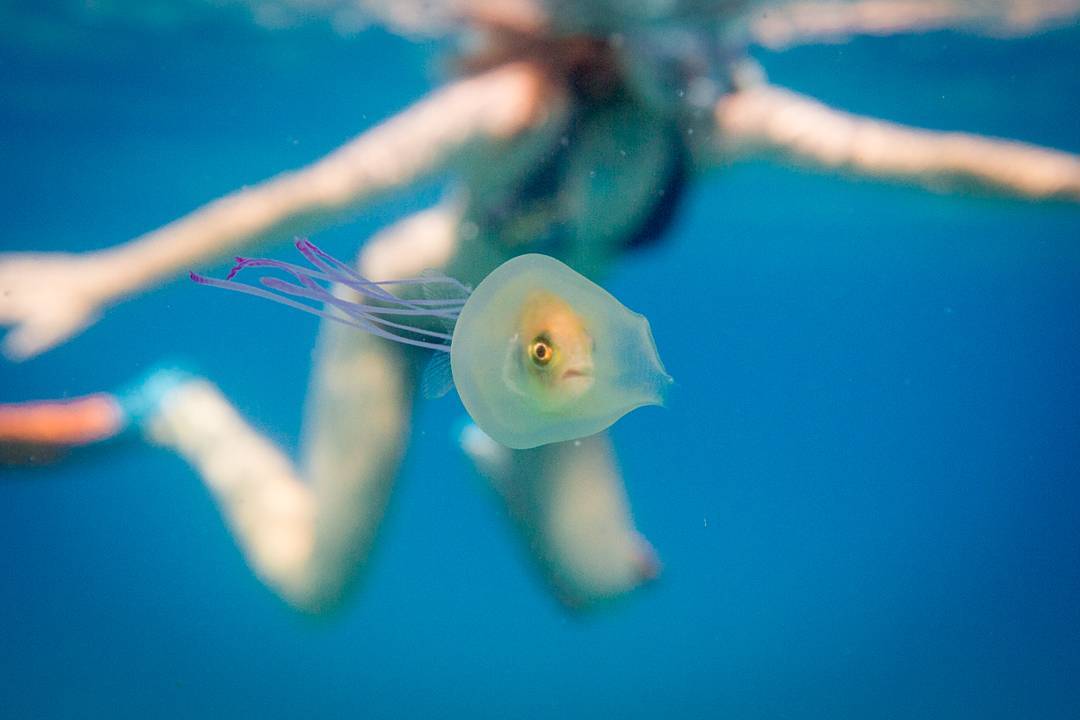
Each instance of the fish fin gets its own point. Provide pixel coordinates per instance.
(438, 378)
(437, 287)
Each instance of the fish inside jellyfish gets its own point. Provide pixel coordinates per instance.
(538, 353)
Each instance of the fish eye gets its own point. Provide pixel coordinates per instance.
(541, 352)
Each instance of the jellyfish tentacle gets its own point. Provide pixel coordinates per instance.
(361, 323)
(368, 317)
(318, 293)
(359, 311)
(267, 295)
(307, 276)
(340, 272)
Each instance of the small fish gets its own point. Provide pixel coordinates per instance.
(538, 353)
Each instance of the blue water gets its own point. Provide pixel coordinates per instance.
(865, 492)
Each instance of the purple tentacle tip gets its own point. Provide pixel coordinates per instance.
(240, 263)
(371, 317)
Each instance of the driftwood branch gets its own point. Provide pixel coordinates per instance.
(797, 129)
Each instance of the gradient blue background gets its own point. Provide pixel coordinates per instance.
(865, 491)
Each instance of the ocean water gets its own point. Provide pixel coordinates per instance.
(865, 491)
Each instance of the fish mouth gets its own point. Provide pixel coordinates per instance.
(578, 372)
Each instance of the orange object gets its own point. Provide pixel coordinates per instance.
(66, 423)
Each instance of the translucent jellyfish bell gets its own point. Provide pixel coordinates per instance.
(540, 354)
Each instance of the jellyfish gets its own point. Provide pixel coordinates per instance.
(538, 353)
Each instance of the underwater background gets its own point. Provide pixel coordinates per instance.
(865, 492)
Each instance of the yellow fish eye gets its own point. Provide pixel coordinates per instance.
(541, 352)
